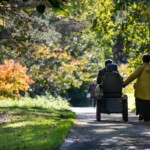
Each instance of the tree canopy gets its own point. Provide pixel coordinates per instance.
(63, 42)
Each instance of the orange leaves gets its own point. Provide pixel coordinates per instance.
(64, 56)
(60, 54)
(13, 78)
(53, 55)
(77, 63)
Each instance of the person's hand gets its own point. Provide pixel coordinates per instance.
(134, 85)
(123, 85)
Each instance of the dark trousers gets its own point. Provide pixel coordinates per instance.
(143, 108)
(138, 106)
(92, 101)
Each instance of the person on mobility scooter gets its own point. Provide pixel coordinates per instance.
(111, 98)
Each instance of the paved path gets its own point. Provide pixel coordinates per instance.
(109, 134)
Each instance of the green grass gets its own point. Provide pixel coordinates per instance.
(34, 124)
(131, 102)
(129, 90)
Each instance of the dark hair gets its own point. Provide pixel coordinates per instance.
(108, 61)
(146, 58)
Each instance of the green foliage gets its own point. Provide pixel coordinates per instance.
(55, 3)
(64, 43)
(125, 21)
(134, 28)
(78, 95)
(131, 102)
(28, 124)
(46, 102)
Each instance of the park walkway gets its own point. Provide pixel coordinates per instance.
(109, 134)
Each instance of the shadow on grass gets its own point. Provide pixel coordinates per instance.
(30, 137)
(34, 127)
(33, 110)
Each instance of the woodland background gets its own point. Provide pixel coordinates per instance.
(61, 44)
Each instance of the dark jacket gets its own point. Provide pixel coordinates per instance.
(101, 73)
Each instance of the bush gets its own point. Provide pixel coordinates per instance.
(13, 78)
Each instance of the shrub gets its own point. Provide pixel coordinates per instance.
(13, 78)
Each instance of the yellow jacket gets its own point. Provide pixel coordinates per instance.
(142, 86)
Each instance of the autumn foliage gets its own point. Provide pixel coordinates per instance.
(13, 78)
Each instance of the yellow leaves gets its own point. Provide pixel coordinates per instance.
(77, 63)
(61, 55)
(53, 55)
(27, 10)
(1, 21)
(42, 51)
(110, 23)
(73, 65)
(134, 5)
(67, 47)
(65, 56)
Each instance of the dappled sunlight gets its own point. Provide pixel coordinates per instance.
(110, 133)
(104, 131)
(23, 123)
(33, 127)
(18, 124)
(146, 134)
(131, 102)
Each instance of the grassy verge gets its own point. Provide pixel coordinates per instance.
(131, 102)
(131, 99)
(129, 90)
(34, 124)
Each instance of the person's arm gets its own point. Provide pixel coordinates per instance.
(134, 75)
(100, 77)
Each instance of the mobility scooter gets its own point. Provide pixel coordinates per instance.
(111, 98)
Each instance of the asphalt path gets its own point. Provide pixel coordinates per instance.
(109, 134)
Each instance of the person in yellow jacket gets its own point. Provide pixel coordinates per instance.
(142, 87)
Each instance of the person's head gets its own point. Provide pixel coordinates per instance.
(108, 61)
(146, 58)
